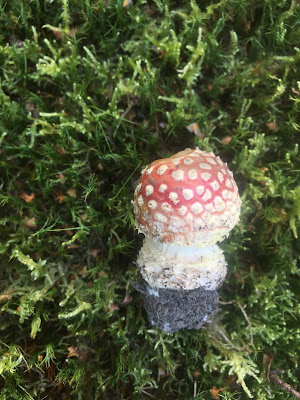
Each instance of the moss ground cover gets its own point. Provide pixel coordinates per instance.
(91, 91)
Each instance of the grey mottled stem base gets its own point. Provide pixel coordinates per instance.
(171, 310)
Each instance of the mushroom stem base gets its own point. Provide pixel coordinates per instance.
(171, 310)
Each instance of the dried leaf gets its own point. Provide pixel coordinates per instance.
(5, 296)
(215, 392)
(61, 177)
(84, 272)
(272, 126)
(94, 252)
(127, 298)
(60, 198)
(149, 11)
(50, 372)
(28, 197)
(72, 32)
(73, 352)
(247, 26)
(113, 307)
(30, 222)
(73, 246)
(61, 151)
(57, 34)
(72, 192)
(226, 140)
(127, 3)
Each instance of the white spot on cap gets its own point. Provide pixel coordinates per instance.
(200, 189)
(160, 217)
(207, 195)
(209, 207)
(213, 221)
(176, 222)
(138, 188)
(230, 195)
(219, 203)
(182, 210)
(166, 206)
(178, 175)
(199, 223)
(221, 177)
(149, 190)
(215, 185)
(162, 169)
(188, 194)
(225, 194)
(174, 197)
(230, 173)
(205, 166)
(188, 161)
(205, 176)
(162, 188)
(223, 171)
(152, 204)
(197, 208)
(210, 160)
(189, 218)
(140, 200)
(148, 172)
(228, 183)
(176, 161)
(192, 174)
(230, 206)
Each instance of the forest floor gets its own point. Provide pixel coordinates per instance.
(92, 91)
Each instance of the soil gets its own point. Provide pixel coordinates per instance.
(171, 310)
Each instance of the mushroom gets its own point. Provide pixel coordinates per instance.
(184, 205)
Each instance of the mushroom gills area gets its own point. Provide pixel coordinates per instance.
(165, 266)
(171, 309)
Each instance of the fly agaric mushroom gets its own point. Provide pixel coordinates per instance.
(184, 205)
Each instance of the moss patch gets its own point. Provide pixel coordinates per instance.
(91, 91)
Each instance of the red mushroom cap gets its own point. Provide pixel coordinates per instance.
(190, 198)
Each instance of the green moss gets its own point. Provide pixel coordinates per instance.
(92, 91)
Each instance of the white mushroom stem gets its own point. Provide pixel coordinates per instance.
(167, 266)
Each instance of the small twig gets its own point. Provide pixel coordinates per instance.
(268, 391)
(148, 394)
(129, 107)
(267, 361)
(195, 388)
(259, 208)
(271, 375)
(249, 326)
(285, 386)
(228, 341)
